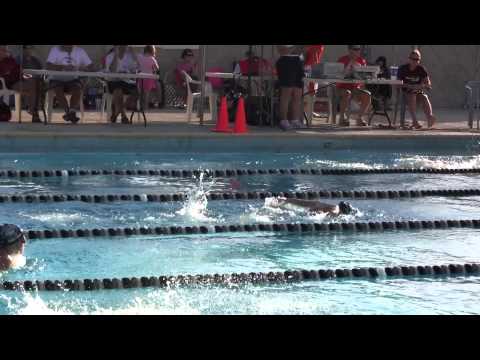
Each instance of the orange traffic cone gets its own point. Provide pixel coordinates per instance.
(222, 122)
(241, 119)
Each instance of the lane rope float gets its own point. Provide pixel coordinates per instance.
(222, 173)
(309, 228)
(252, 195)
(290, 276)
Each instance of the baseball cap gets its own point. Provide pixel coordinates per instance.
(9, 234)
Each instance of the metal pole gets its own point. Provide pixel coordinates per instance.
(272, 89)
(21, 84)
(262, 95)
(203, 71)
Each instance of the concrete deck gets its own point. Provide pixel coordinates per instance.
(170, 123)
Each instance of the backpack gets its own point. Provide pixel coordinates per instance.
(5, 112)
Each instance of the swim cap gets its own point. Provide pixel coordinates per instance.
(9, 234)
(345, 208)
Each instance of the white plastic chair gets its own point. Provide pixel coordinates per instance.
(191, 96)
(6, 93)
(49, 101)
(311, 100)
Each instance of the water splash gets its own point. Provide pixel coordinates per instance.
(439, 162)
(196, 205)
(343, 165)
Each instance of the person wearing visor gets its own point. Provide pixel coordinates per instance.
(353, 92)
(416, 79)
(12, 246)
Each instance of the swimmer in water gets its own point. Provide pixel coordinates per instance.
(314, 207)
(12, 247)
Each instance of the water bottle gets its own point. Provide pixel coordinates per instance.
(393, 72)
(308, 71)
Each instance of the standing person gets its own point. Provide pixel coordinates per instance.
(68, 58)
(416, 78)
(122, 60)
(149, 65)
(290, 70)
(12, 247)
(10, 72)
(353, 92)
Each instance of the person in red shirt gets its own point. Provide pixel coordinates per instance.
(313, 56)
(10, 72)
(258, 65)
(354, 92)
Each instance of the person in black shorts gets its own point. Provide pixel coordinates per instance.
(291, 74)
(123, 59)
(416, 79)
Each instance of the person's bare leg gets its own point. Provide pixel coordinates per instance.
(60, 96)
(297, 114)
(427, 108)
(412, 108)
(29, 89)
(76, 92)
(345, 98)
(118, 103)
(285, 96)
(365, 101)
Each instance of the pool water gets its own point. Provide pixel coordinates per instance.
(82, 258)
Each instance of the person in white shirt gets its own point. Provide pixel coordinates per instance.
(68, 58)
(122, 60)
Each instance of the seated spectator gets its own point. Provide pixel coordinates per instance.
(190, 66)
(10, 72)
(353, 92)
(291, 73)
(122, 60)
(30, 61)
(68, 58)
(416, 78)
(255, 67)
(149, 65)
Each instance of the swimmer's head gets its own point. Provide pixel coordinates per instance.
(345, 208)
(12, 246)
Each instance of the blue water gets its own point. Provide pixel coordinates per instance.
(227, 253)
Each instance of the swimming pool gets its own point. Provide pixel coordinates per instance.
(150, 255)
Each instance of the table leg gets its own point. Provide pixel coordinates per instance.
(334, 104)
(310, 103)
(396, 106)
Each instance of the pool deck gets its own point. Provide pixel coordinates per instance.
(168, 124)
(168, 131)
